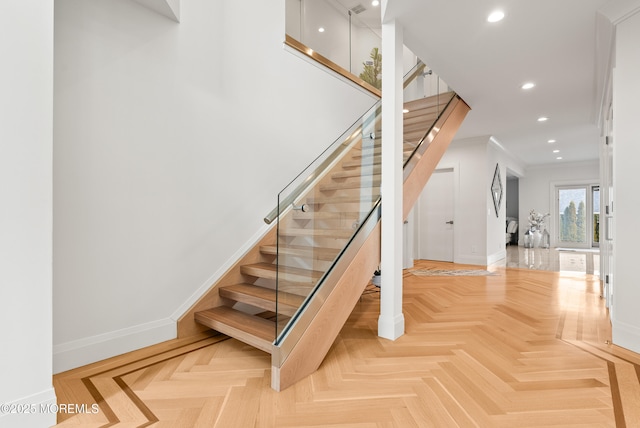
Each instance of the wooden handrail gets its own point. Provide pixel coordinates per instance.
(307, 51)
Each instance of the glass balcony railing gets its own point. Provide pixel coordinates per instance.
(350, 38)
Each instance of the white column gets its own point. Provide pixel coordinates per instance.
(26, 213)
(391, 321)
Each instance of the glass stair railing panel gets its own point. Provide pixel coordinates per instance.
(316, 222)
(425, 98)
(347, 36)
(320, 212)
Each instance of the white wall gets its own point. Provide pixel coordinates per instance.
(470, 206)
(478, 232)
(626, 152)
(496, 224)
(536, 189)
(333, 43)
(171, 144)
(26, 115)
(468, 160)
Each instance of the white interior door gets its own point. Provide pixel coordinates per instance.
(436, 217)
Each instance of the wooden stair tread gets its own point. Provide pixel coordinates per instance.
(292, 274)
(250, 329)
(316, 253)
(358, 152)
(421, 115)
(376, 171)
(422, 126)
(342, 199)
(365, 155)
(376, 160)
(326, 215)
(316, 233)
(414, 136)
(353, 184)
(434, 100)
(264, 298)
(405, 149)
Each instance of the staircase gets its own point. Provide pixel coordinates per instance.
(290, 295)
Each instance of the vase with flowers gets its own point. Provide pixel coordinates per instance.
(536, 227)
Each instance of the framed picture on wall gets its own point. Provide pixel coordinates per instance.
(496, 190)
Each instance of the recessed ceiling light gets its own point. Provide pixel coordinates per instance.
(559, 158)
(405, 110)
(543, 119)
(556, 151)
(551, 141)
(528, 85)
(495, 16)
(321, 30)
(375, 3)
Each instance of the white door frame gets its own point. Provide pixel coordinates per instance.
(554, 227)
(455, 169)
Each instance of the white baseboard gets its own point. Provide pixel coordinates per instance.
(391, 327)
(475, 259)
(36, 410)
(470, 259)
(495, 257)
(625, 335)
(77, 353)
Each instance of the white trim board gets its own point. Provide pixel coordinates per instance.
(625, 335)
(496, 257)
(77, 353)
(41, 405)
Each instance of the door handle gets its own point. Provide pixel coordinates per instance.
(449, 222)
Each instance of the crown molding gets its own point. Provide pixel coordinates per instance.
(619, 10)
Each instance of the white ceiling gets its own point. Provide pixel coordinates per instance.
(549, 42)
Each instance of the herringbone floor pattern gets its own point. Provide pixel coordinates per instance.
(519, 349)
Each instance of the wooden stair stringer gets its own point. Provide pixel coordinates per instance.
(317, 339)
(430, 157)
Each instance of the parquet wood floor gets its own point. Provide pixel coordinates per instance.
(519, 349)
